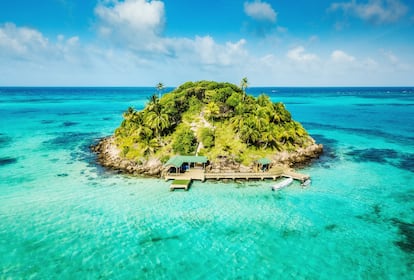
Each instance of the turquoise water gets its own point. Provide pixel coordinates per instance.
(62, 216)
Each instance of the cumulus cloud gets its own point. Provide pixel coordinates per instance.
(27, 44)
(377, 11)
(299, 54)
(211, 53)
(341, 57)
(21, 41)
(137, 23)
(261, 11)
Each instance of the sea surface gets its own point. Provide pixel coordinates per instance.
(64, 217)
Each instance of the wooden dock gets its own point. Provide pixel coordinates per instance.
(201, 175)
(242, 175)
(297, 176)
(180, 184)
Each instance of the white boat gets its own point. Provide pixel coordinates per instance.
(282, 184)
(306, 183)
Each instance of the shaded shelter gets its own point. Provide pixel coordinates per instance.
(264, 164)
(183, 163)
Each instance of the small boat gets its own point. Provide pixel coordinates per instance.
(306, 183)
(282, 184)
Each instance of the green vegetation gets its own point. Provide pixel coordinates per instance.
(217, 119)
(181, 182)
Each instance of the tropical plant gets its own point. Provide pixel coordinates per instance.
(157, 121)
(160, 88)
(207, 137)
(240, 125)
(185, 143)
(243, 85)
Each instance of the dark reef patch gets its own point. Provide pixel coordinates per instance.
(47, 121)
(407, 232)
(319, 138)
(7, 160)
(67, 124)
(362, 131)
(4, 140)
(373, 155)
(331, 227)
(72, 113)
(329, 150)
(407, 162)
(69, 140)
(383, 156)
(155, 239)
(377, 209)
(374, 216)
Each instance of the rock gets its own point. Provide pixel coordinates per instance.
(300, 157)
(109, 156)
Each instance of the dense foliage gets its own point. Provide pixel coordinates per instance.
(215, 119)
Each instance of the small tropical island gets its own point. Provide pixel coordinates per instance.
(216, 121)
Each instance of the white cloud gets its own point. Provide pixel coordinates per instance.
(27, 57)
(21, 41)
(137, 23)
(300, 55)
(261, 11)
(377, 11)
(341, 57)
(210, 52)
(391, 57)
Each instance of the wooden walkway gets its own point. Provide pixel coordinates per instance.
(180, 184)
(199, 174)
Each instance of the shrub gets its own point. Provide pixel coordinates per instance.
(184, 142)
(207, 137)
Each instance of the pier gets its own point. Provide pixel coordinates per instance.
(195, 166)
(180, 184)
(180, 179)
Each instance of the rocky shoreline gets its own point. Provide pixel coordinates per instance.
(108, 155)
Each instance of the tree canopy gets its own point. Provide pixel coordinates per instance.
(215, 119)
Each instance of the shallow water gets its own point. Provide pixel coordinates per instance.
(63, 216)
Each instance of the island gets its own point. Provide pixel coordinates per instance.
(215, 125)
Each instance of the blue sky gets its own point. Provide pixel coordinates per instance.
(141, 42)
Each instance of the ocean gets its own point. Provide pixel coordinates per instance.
(64, 217)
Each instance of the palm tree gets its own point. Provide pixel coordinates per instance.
(160, 87)
(238, 121)
(157, 121)
(150, 146)
(154, 103)
(249, 132)
(212, 110)
(244, 84)
(129, 113)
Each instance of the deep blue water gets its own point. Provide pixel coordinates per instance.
(62, 216)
